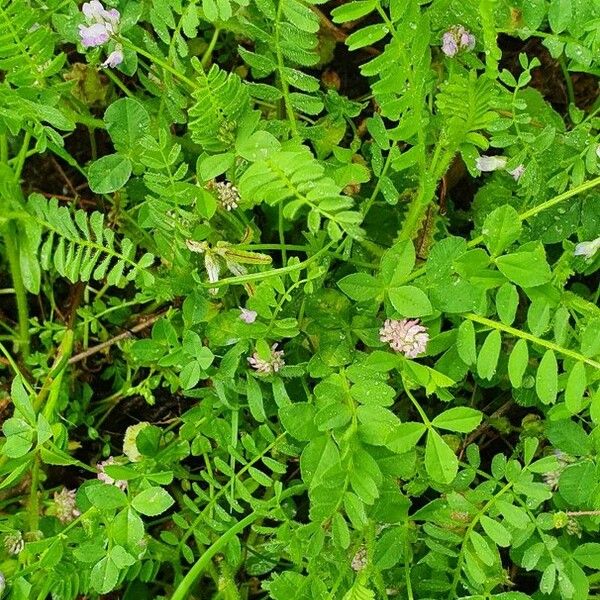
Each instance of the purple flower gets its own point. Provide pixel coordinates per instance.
(248, 316)
(457, 38)
(517, 172)
(407, 336)
(100, 25)
(94, 35)
(449, 44)
(115, 58)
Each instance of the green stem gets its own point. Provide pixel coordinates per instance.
(12, 253)
(532, 338)
(421, 412)
(282, 236)
(207, 56)
(285, 90)
(33, 508)
(461, 557)
(568, 80)
(184, 588)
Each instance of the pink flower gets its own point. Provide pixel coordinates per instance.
(457, 38)
(407, 336)
(115, 58)
(64, 502)
(248, 316)
(101, 24)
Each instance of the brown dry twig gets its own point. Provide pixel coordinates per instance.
(147, 322)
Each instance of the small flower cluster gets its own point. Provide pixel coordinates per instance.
(359, 561)
(269, 366)
(101, 26)
(487, 164)
(227, 194)
(105, 478)
(14, 543)
(407, 336)
(457, 38)
(551, 478)
(64, 505)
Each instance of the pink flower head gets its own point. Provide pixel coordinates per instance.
(64, 502)
(266, 367)
(457, 38)
(101, 24)
(449, 44)
(115, 58)
(407, 336)
(105, 478)
(248, 316)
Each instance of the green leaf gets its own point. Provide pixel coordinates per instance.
(410, 301)
(482, 548)
(374, 393)
(352, 11)
(487, 360)
(465, 342)
(405, 437)
(104, 575)
(255, 399)
(440, 461)
(397, 263)
(501, 228)
(576, 385)
(105, 496)
(152, 502)
(340, 531)
(526, 269)
(496, 531)
(577, 482)
(367, 36)
(298, 420)
(546, 380)
(127, 121)
(588, 555)
(109, 173)
(360, 286)
(568, 436)
(560, 15)
(517, 363)
(21, 400)
(548, 579)
(461, 419)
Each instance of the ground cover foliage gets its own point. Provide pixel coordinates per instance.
(299, 299)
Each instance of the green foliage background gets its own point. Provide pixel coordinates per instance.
(352, 472)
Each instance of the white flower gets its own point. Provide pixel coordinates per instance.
(587, 249)
(490, 163)
(517, 172)
(64, 504)
(598, 150)
(248, 316)
(407, 336)
(266, 367)
(105, 478)
(14, 543)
